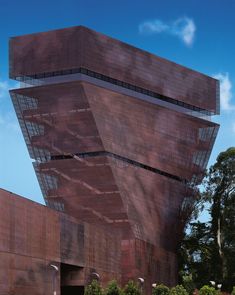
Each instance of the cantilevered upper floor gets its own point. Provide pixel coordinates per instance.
(80, 50)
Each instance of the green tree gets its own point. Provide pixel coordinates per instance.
(220, 192)
(196, 253)
(161, 290)
(131, 288)
(113, 289)
(208, 249)
(207, 290)
(93, 289)
(189, 284)
(178, 290)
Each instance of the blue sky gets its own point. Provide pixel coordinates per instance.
(196, 34)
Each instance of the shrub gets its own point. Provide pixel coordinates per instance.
(178, 290)
(207, 290)
(188, 284)
(113, 289)
(131, 289)
(93, 289)
(161, 290)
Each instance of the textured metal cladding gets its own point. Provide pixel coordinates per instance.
(33, 237)
(64, 112)
(157, 263)
(104, 190)
(72, 241)
(5, 278)
(26, 248)
(35, 53)
(28, 224)
(153, 214)
(99, 243)
(70, 128)
(62, 96)
(124, 62)
(143, 132)
(110, 57)
(119, 161)
(24, 275)
(86, 189)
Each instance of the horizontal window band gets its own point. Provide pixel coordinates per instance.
(123, 159)
(115, 82)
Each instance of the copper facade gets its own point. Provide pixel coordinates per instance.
(119, 138)
(34, 237)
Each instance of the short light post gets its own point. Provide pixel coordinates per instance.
(56, 270)
(213, 283)
(95, 276)
(141, 284)
(219, 286)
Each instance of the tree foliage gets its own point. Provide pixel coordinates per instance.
(207, 290)
(161, 290)
(131, 288)
(233, 291)
(93, 289)
(188, 284)
(113, 289)
(178, 290)
(208, 250)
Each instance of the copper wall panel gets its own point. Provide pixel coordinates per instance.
(66, 132)
(99, 247)
(132, 65)
(138, 130)
(39, 52)
(6, 227)
(153, 213)
(110, 191)
(5, 274)
(64, 113)
(110, 57)
(27, 225)
(72, 241)
(121, 159)
(38, 237)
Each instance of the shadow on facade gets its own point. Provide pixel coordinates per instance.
(71, 280)
(72, 290)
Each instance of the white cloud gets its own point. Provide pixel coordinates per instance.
(151, 27)
(225, 91)
(183, 27)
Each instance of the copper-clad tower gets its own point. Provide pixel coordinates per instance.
(119, 137)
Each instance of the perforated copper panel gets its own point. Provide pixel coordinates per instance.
(33, 237)
(120, 138)
(80, 47)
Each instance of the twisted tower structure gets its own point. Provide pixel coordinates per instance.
(119, 137)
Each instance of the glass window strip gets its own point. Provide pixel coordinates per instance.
(34, 78)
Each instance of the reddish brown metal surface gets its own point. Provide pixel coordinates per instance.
(110, 57)
(120, 161)
(30, 240)
(33, 237)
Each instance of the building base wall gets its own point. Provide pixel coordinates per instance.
(43, 251)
